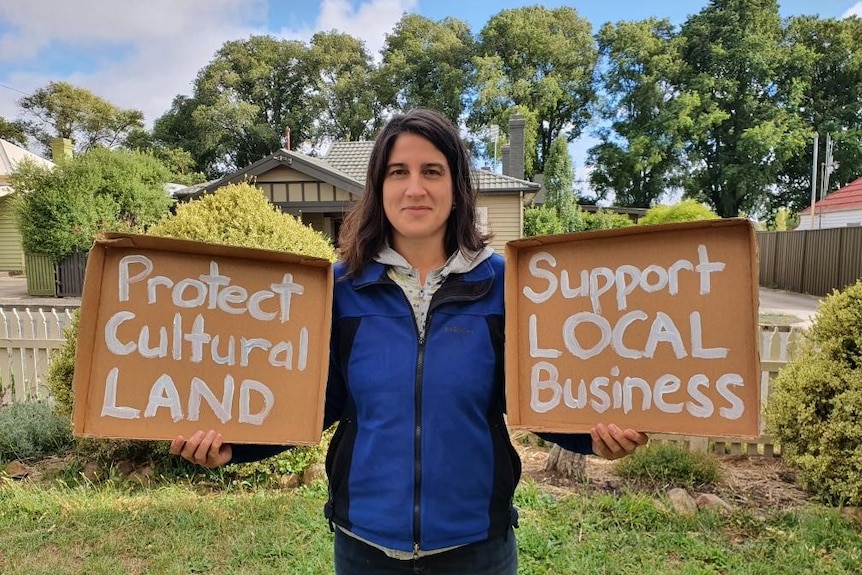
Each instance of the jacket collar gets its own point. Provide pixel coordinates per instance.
(473, 266)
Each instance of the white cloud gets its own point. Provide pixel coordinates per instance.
(370, 21)
(145, 53)
(855, 10)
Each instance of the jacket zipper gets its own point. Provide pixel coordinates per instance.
(417, 437)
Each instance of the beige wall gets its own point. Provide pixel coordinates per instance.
(505, 218)
(11, 252)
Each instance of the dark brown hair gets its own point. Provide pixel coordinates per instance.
(366, 230)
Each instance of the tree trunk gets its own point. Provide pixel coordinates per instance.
(567, 463)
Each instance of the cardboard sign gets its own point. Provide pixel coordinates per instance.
(177, 336)
(648, 327)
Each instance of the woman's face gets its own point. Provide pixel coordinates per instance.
(417, 193)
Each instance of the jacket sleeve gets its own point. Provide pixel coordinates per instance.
(576, 442)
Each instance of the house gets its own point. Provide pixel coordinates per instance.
(322, 190)
(839, 209)
(11, 252)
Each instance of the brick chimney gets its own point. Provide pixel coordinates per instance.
(517, 150)
(61, 150)
(504, 159)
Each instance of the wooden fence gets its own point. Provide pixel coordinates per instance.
(814, 262)
(28, 340)
(777, 348)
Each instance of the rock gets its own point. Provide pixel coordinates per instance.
(91, 472)
(312, 472)
(854, 513)
(17, 470)
(125, 467)
(289, 480)
(712, 501)
(681, 501)
(145, 475)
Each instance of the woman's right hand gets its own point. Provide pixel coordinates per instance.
(205, 449)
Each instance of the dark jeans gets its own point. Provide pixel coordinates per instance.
(498, 556)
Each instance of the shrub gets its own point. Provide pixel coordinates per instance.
(815, 405)
(668, 464)
(684, 211)
(32, 429)
(60, 210)
(606, 220)
(240, 215)
(542, 221)
(235, 215)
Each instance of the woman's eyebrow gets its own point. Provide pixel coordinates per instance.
(437, 165)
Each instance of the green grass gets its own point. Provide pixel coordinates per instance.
(121, 529)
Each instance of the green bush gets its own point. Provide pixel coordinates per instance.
(235, 215)
(32, 429)
(684, 211)
(542, 221)
(815, 406)
(60, 210)
(606, 220)
(240, 215)
(668, 464)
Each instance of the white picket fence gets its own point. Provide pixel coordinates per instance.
(777, 348)
(28, 340)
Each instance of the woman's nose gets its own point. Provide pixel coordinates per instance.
(415, 185)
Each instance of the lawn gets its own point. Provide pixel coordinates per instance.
(121, 527)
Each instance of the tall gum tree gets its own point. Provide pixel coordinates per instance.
(428, 64)
(638, 158)
(62, 110)
(347, 88)
(744, 129)
(543, 60)
(826, 70)
(242, 102)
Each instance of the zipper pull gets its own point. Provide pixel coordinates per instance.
(415, 551)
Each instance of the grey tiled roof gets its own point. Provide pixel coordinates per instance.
(352, 158)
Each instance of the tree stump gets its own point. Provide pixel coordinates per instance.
(567, 464)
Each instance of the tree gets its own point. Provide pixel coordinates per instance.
(826, 69)
(543, 60)
(61, 110)
(559, 176)
(13, 131)
(179, 161)
(60, 210)
(243, 100)
(428, 64)
(744, 129)
(638, 156)
(347, 88)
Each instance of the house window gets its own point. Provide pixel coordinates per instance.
(482, 219)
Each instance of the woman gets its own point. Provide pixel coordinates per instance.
(421, 470)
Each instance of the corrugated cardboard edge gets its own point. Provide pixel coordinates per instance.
(93, 289)
(86, 337)
(511, 295)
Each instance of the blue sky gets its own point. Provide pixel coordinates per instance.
(141, 54)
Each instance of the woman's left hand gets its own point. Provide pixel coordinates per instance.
(611, 442)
